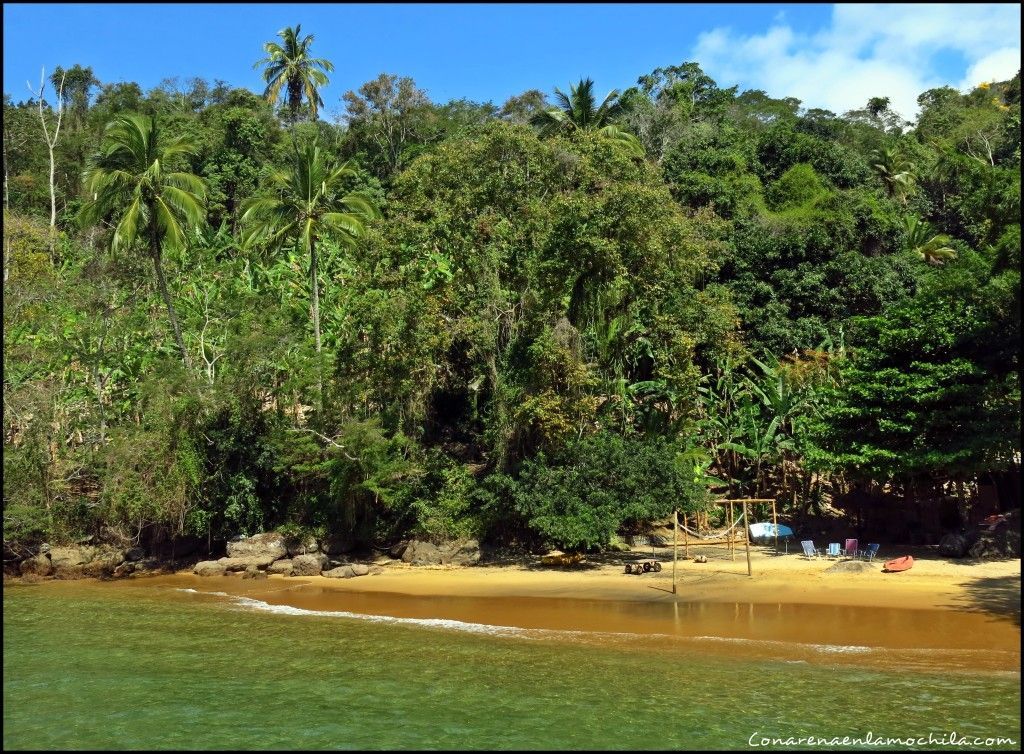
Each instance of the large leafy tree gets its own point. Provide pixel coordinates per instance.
(306, 204)
(290, 65)
(130, 181)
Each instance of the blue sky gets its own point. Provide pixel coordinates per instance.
(828, 56)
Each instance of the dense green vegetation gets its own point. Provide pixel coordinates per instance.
(529, 323)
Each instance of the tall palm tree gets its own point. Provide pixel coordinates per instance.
(922, 240)
(306, 204)
(289, 64)
(129, 182)
(579, 110)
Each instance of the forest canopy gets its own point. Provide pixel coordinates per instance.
(542, 323)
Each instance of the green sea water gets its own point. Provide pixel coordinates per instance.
(87, 666)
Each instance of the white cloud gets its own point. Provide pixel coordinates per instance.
(868, 50)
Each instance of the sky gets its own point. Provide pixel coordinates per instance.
(829, 56)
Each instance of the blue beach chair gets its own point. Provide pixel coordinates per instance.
(833, 550)
(869, 554)
(810, 551)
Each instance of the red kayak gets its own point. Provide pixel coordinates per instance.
(900, 564)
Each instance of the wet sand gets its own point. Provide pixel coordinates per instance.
(939, 615)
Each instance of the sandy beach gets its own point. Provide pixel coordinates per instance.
(933, 582)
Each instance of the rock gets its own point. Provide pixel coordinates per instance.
(301, 546)
(103, 563)
(851, 566)
(341, 572)
(270, 545)
(375, 569)
(209, 568)
(252, 572)
(359, 569)
(1003, 542)
(397, 550)
(422, 553)
(71, 556)
(459, 552)
(308, 565)
(69, 572)
(463, 552)
(953, 546)
(280, 566)
(39, 565)
(241, 563)
(337, 544)
(124, 570)
(134, 554)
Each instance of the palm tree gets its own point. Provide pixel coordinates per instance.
(129, 182)
(290, 64)
(922, 240)
(895, 172)
(579, 110)
(306, 205)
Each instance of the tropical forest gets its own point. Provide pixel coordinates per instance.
(547, 322)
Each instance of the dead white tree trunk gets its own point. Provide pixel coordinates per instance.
(51, 142)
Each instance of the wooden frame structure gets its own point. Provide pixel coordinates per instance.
(732, 540)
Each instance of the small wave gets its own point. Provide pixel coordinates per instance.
(189, 590)
(825, 648)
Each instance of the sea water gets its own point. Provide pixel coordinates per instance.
(151, 665)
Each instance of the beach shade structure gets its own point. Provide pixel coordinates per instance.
(850, 550)
(810, 551)
(869, 554)
(833, 550)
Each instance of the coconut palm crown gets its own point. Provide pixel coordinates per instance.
(290, 65)
(305, 204)
(131, 186)
(579, 110)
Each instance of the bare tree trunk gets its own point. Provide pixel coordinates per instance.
(51, 142)
(166, 294)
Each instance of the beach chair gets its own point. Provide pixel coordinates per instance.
(810, 551)
(869, 554)
(833, 550)
(850, 550)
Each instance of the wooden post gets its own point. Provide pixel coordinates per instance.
(746, 537)
(732, 534)
(775, 525)
(675, 547)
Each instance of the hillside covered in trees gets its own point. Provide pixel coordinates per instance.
(543, 322)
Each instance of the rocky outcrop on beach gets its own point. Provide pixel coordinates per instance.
(953, 546)
(249, 557)
(209, 568)
(308, 565)
(270, 546)
(459, 552)
(997, 536)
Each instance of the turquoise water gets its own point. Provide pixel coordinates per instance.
(92, 667)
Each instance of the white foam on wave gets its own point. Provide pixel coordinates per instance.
(189, 590)
(825, 648)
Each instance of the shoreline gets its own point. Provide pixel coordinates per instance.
(933, 583)
(940, 615)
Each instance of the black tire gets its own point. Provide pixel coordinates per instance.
(629, 568)
(647, 567)
(657, 567)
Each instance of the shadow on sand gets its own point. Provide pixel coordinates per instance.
(998, 595)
